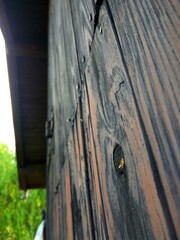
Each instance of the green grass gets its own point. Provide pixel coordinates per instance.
(19, 219)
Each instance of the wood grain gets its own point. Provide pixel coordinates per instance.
(65, 87)
(83, 15)
(154, 71)
(127, 94)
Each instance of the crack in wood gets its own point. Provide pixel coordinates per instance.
(96, 18)
(57, 187)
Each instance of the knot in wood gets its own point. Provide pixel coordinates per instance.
(118, 159)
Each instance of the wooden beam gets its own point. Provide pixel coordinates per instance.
(22, 50)
(30, 169)
(13, 51)
(35, 186)
(13, 81)
(12, 70)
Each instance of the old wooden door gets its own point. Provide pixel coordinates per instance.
(113, 165)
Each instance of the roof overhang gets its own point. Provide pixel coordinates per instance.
(24, 26)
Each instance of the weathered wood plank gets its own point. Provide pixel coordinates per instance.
(83, 19)
(64, 87)
(81, 202)
(152, 60)
(63, 69)
(124, 92)
(59, 224)
(50, 197)
(119, 113)
(64, 229)
(116, 199)
(115, 119)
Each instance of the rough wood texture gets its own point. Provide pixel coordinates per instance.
(114, 73)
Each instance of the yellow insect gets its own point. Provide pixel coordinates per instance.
(121, 164)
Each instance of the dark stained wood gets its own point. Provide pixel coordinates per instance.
(81, 202)
(112, 119)
(12, 68)
(4, 22)
(26, 50)
(24, 25)
(83, 15)
(31, 169)
(151, 58)
(69, 174)
(64, 79)
(114, 80)
(28, 21)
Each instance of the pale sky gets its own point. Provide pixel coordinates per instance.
(6, 122)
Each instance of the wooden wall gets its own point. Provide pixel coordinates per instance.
(113, 162)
